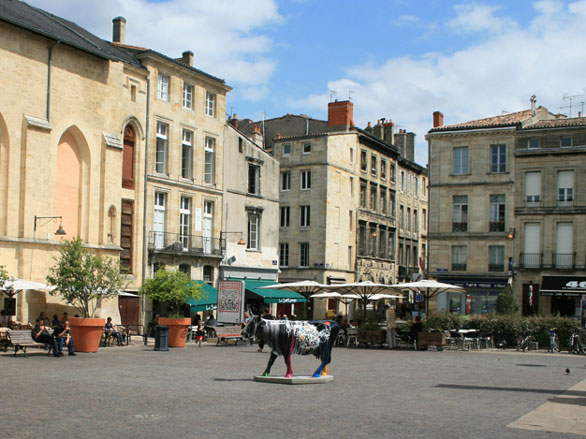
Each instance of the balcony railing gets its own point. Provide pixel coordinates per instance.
(564, 260)
(459, 227)
(459, 267)
(184, 244)
(565, 203)
(496, 268)
(531, 260)
(496, 226)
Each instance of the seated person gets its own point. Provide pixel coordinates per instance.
(63, 336)
(4, 318)
(416, 327)
(55, 322)
(112, 331)
(40, 334)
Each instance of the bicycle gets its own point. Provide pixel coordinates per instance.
(576, 346)
(524, 340)
(553, 341)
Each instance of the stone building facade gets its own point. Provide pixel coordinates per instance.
(339, 201)
(505, 209)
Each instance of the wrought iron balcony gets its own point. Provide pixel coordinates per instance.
(496, 268)
(459, 267)
(496, 226)
(177, 243)
(531, 260)
(564, 260)
(460, 227)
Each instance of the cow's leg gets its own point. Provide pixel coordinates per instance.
(270, 364)
(325, 356)
(289, 369)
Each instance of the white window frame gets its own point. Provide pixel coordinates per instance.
(304, 254)
(285, 181)
(163, 87)
(306, 148)
(461, 159)
(210, 104)
(284, 254)
(187, 154)
(254, 184)
(253, 231)
(565, 188)
(286, 149)
(285, 217)
(160, 205)
(304, 216)
(571, 141)
(187, 96)
(532, 188)
(533, 143)
(162, 148)
(460, 256)
(305, 180)
(184, 222)
(498, 158)
(209, 160)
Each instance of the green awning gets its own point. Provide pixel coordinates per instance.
(272, 296)
(209, 301)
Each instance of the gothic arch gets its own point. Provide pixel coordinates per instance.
(72, 183)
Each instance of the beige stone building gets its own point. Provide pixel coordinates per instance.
(505, 209)
(339, 201)
(67, 99)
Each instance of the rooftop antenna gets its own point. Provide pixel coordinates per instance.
(570, 99)
(350, 92)
(332, 95)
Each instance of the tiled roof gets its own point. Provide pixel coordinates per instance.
(510, 119)
(56, 28)
(558, 123)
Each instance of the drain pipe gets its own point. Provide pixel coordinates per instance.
(49, 64)
(144, 207)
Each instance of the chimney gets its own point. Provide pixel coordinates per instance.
(119, 30)
(438, 119)
(368, 128)
(257, 137)
(389, 131)
(187, 58)
(533, 100)
(377, 130)
(340, 115)
(234, 121)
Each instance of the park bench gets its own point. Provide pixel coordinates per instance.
(227, 333)
(22, 339)
(425, 339)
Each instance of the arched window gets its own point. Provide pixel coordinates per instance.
(68, 185)
(128, 158)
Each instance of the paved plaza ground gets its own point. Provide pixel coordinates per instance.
(135, 392)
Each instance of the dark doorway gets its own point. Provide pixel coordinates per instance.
(128, 307)
(564, 306)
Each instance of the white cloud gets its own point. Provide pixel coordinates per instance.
(406, 20)
(226, 36)
(475, 17)
(481, 80)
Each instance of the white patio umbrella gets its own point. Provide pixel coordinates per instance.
(306, 288)
(363, 291)
(428, 288)
(16, 285)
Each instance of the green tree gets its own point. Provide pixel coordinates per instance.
(3, 276)
(506, 303)
(82, 278)
(174, 288)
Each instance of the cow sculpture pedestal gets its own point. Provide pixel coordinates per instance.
(294, 380)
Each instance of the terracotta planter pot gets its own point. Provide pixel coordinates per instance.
(86, 333)
(177, 330)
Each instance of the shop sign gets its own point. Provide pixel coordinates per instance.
(568, 286)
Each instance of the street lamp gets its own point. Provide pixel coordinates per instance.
(240, 242)
(59, 231)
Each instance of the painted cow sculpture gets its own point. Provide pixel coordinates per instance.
(286, 337)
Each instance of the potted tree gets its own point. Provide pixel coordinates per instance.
(82, 279)
(174, 288)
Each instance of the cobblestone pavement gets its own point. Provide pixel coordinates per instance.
(135, 392)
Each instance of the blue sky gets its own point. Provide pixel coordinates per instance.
(397, 59)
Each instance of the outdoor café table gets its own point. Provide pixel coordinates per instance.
(469, 338)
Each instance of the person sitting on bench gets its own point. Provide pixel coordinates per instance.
(62, 333)
(112, 331)
(40, 334)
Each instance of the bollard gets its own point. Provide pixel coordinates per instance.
(161, 338)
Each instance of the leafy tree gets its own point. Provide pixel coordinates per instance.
(3, 276)
(174, 288)
(82, 277)
(506, 303)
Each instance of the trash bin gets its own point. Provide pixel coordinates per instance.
(161, 338)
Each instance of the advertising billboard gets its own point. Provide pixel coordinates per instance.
(231, 301)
